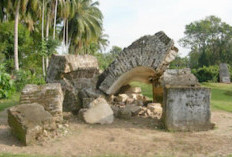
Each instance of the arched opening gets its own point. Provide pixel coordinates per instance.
(140, 74)
(134, 91)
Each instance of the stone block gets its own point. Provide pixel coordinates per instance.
(224, 73)
(50, 96)
(155, 108)
(134, 109)
(179, 77)
(28, 122)
(99, 111)
(73, 72)
(187, 109)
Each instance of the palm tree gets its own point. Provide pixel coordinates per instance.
(54, 24)
(85, 26)
(19, 7)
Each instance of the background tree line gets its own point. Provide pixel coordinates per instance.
(31, 31)
(210, 43)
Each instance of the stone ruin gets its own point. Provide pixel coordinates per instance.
(74, 73)
(76, 85)
(224, 73)
(38, 114)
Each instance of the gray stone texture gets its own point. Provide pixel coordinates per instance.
(187, 109)
(145, 60)
(99, 112)
(224, 73)
(73, 72)
(50, 96)
(28, 122)
(179, 77)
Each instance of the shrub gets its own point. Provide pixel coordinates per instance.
(7, 87)
(207, 74)
(24, 77)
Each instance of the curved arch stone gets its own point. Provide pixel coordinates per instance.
(144, 60)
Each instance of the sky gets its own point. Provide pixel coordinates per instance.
(127, 20)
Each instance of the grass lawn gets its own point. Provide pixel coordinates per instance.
(221, 94)
(5, 103)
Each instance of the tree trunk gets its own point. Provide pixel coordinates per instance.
(67, 32)
(43, 21)
(43, 63)
(16, 57)
(67, 46)
(47, 35)
(54, 27)
(64, 31)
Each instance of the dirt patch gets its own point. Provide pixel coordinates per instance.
(135, 137)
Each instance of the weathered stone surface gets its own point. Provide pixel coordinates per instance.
(99, 111)
(115, 110)
(73, 72)
(124, 113)
(50, 96)
(187, 109)
(87, 95)
(179, 77)
(155, 108)
(122, 98)
(224, 73)
(134, 109)
(28, 122)
(145, 60)
(130, 90)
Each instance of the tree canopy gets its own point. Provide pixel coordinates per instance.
(209, 41)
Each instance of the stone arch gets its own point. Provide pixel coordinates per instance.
(144, 60)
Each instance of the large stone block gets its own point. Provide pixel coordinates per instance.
(179, 77)
(224, 73)
(50, 96)
(99, 111)
(73, 72)
(28, 121)
(187, 109)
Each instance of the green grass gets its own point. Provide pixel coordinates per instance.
(5, 103)
(221, 96)
(146, 88)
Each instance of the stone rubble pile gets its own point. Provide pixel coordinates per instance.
(131, 102)
(39, 114)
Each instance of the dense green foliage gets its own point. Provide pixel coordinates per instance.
(179, 63)
(24, 77)
(210, 42)
(207, 74)
(7, 44)
(105, 59)
(7, 87)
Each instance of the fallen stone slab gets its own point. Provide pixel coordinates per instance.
(28, 122)
(99, 112)
(50, 96)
